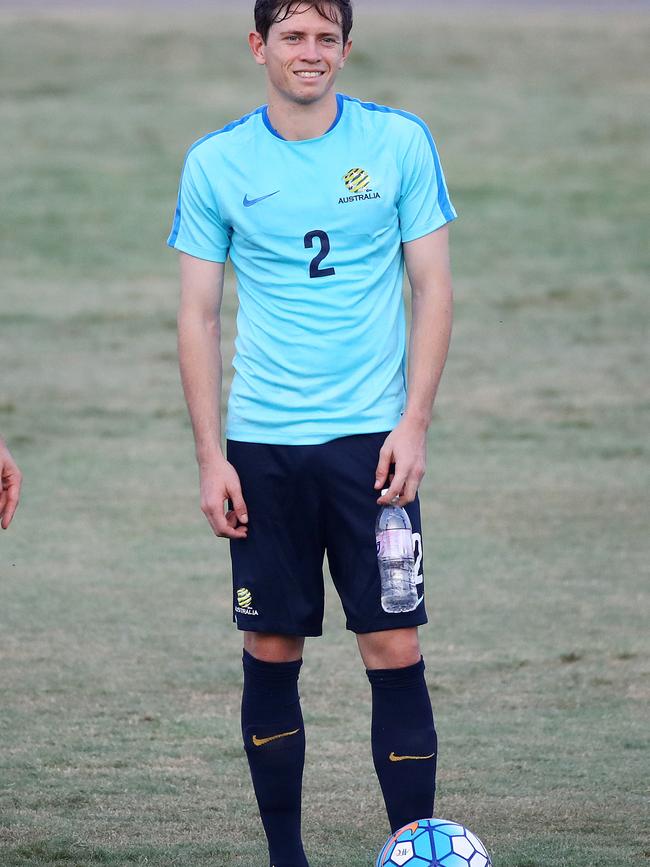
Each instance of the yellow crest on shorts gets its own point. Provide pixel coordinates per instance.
(244, 597)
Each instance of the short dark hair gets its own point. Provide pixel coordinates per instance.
(268, 12)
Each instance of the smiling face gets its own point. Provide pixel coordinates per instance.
(302, 55)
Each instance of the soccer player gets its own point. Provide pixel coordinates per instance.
(319, 200)
(10, 482)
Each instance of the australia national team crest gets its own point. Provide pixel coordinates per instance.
(245, 603)
(358, 183)
(356, 180)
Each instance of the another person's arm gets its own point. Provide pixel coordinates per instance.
(199, 352)
(10, 482)
(427, 265)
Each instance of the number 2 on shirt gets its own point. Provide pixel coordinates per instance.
(314, 268)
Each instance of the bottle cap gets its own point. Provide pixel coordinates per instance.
(395, 498)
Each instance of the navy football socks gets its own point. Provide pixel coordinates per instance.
(404, 742)
(274, 740)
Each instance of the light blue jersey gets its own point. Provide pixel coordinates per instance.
(314, 230)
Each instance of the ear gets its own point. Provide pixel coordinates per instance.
(346, 51)
(257, 47)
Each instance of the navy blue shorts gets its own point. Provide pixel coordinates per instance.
(303, 502)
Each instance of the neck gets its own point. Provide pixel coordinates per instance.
(297, 122)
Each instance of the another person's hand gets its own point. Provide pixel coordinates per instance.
(220, 483)
(10, 482)
(406, 447)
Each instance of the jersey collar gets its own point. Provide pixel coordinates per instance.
(273, 130)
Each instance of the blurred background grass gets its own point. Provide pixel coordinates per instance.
(120, 679)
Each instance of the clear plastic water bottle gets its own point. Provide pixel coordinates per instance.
(396, 560)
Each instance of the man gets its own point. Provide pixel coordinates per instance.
(319, 200)
(10, 482)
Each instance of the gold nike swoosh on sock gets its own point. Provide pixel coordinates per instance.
(259, 742)
(393, 758)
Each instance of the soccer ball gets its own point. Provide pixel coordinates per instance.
(433, 843)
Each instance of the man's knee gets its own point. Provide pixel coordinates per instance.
(393, 648)
(273, 648)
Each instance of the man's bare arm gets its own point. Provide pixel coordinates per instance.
(199, 353)
(429, 273)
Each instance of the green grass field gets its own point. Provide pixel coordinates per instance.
(119, 668)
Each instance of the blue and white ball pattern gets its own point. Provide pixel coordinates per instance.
(433, 843)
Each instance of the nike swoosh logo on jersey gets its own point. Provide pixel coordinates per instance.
(259, 742)
(248, 203)
(393, 758)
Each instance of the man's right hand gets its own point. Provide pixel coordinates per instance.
(10, 482)
(219, 484)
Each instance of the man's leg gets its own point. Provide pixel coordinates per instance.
(278, 597)
(403, 735)
(274, 739)
(404, 742)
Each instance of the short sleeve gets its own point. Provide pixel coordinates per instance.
(424, 203)
(198, 228)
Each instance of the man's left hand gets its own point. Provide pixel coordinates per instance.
(406, 447)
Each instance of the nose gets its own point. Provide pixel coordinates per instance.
(310, 51)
